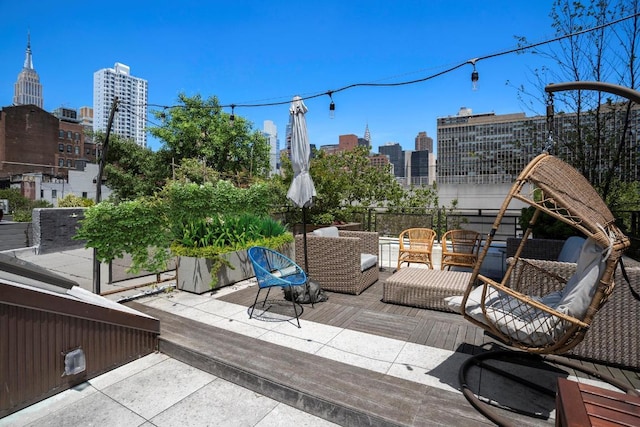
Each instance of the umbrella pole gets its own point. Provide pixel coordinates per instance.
(306, 260)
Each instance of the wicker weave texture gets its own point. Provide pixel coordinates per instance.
(570, 188)
(424, 288)
(614, 335)
(334, 262)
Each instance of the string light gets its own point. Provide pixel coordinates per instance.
(232, 117)
(332, 106)
(474, 73)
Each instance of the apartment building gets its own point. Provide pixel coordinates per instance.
(130, 119)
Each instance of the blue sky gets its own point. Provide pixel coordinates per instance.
(268, 51)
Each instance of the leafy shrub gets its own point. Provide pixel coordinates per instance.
(207, 219)
(137, 227)
(73, 201)
(21, 207)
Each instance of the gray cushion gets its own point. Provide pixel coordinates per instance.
(535, 326)
(571, 249)
(579, 290)
(367, 261)
(327, 232)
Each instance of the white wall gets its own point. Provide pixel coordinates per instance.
(79, 182)
(476, 196)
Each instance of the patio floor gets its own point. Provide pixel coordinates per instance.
(355, 361)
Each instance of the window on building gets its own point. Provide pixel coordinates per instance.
(87, 151)
(76, 136)
(54, 194)
(41, 193)
(69, 163)
(61, 162)
(69, 148)
(61, 134)
(61, 148)
(84, 194)
(69, 134)
(77, 151)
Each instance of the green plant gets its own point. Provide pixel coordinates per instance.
(73, 201)
(20, 207)
(546, 227)
(138, 227)
(184, 219)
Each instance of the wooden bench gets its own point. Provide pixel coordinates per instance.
(424, 288)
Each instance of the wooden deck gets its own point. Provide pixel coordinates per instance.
(341, 393)
(367, 313)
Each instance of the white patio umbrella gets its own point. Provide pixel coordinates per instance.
(302, 190)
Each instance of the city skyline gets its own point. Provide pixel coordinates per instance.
(254, 53)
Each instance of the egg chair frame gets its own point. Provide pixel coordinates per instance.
(554, 188)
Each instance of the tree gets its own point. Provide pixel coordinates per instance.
(131, 170)
(601, 141)
(199, 129)
(346, 182)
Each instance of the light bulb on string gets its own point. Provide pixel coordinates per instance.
(474, 75)
(232, 117)
(332, 107)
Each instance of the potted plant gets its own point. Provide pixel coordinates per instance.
(213, 251)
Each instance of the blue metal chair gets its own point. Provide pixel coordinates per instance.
(274, 269)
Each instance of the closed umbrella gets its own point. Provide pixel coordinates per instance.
(302, 190)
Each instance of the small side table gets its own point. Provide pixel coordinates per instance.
(583, 405)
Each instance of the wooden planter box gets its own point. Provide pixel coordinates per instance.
(194, 274)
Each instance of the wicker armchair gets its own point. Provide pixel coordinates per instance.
(335, 262)
(416, 245)
(614, 335)
(460, 249)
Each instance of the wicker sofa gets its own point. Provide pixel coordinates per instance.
(335, 262)
(614, 335)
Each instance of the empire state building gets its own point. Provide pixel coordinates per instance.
(28, 90)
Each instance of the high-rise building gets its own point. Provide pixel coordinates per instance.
(494, 149)
(393, 150)
(418, 168)
(131, 115)
(270, 131)
(28, 90)
(424, 142)
(486, 148)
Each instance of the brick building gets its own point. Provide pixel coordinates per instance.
(35, 141)
(347, 142)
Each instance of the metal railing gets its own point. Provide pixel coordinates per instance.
(391, 222)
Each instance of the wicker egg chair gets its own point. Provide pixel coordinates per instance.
(557, 189)
(535, 310)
